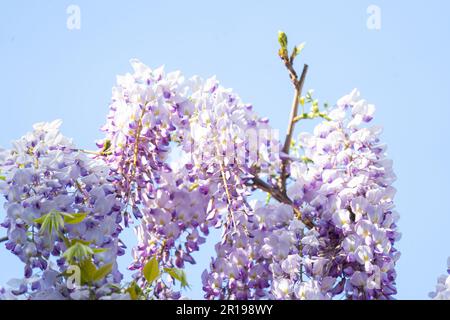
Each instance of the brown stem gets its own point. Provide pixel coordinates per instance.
(264, 186)
(280, 197)
(280, 193)
(298, 85)
(3, 239)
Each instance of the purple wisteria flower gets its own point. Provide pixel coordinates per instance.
(182, 156)
(57, 196)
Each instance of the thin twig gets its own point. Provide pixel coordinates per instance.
(225, 185)
(275, 193)
(3, 239)
(280, 197)
(298, 85)
(129, 180)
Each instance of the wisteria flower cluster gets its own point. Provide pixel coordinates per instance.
(61, 211)
(177, 202)
(344, 190)
(182, 156)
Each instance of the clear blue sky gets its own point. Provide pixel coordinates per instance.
(49, 72)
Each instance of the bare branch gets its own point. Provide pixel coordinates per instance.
(3, 239)
(298, 85)
(264, 186)
(280, 197)
(279, 192)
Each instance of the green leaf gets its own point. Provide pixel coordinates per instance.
(151, 270)
(134, 290)
(3, 178)
(88, 271)
(78, 250)
(74, 218)
(55, 220)
(50, 222)
(102, 272)
(73, 241)
(179, 275)
(99, 250)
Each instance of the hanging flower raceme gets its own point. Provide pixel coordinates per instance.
(344, 187)
(222, 141)
(62, 216)
(243, 268)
